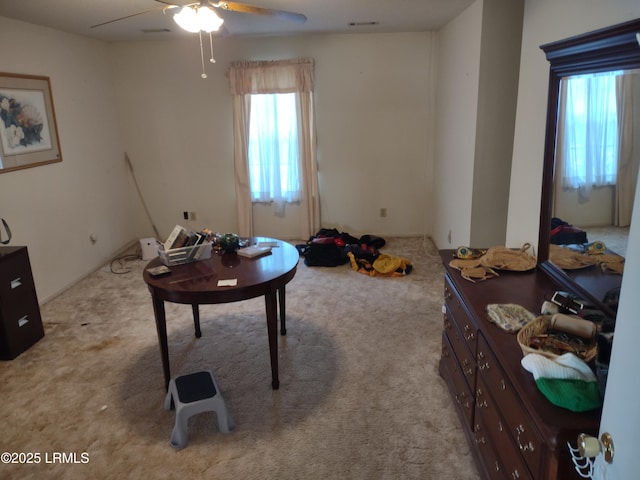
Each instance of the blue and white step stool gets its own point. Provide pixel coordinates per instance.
(192, 394)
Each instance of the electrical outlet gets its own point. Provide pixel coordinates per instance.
(192, 215)
(449, 236)
(185, 215)
(383, 212)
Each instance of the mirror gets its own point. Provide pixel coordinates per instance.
(606, 60)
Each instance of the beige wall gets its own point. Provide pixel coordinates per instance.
(455, 127)
(498, 91)
(54, 208)
(371, 112)
(478, 63)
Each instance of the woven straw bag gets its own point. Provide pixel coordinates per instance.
(538, 328)
(568, 259)
(503, 258)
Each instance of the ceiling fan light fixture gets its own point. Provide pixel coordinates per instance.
(187, 19)
(208, 19)
(196, 19)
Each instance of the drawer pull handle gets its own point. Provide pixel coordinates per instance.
(467, 368)
(480, 440)
(484, 366)
(447, 294)
(15, 283)
(23, 321)
(480, 404)
(500, 427)
(469, 334)
(497, 466)
(461, 400)
(503, 385)
(515, 474)
(527, 446)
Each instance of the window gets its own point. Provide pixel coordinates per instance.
(274, 137)
(590, 152)
(273, 154)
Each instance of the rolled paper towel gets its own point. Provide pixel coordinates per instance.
(573, 325)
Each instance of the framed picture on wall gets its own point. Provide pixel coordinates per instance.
(28, 129)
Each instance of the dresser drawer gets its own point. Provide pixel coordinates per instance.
(458, 315)
(488, 454)
(458, 387)
(15, 275)
(20, 326)
(518, 424)
(511, 463)
(466, 360)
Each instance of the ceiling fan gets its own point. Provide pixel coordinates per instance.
(206, 7)
(201, 17)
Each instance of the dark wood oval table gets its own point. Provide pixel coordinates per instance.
(197, 283)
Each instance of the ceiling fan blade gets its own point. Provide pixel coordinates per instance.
(244, 8)
(122, 18)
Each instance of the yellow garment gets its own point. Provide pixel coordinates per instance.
(384, 265)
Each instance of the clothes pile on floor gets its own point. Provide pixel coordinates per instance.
(563, 233)
(331, 248)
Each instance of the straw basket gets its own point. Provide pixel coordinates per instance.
(539, 326)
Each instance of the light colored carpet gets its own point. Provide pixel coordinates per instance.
(360, 396)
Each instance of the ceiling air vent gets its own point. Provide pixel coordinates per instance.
(155, 30)
(363, 24)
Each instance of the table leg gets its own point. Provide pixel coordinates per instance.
(281, 300)
(196, 319)
(161, 327)
(272, 331)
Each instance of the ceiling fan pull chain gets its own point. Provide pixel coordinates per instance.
(204, 75)
(212, 60)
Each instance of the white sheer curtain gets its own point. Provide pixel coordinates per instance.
(283, 76)
(274, 150)
(588, 134)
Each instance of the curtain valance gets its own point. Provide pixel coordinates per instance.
(275, 76)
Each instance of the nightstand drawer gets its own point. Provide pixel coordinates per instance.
(15, 275)
(20, 327)
(20, 322)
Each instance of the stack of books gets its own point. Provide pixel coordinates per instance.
(183, 246)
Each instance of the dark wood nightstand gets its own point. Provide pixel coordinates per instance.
(20, 321)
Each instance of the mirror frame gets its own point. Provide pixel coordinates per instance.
(611, 48)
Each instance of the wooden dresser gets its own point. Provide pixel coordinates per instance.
(20, 322)
(513, 430)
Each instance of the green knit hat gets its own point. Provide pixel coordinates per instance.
(566, 381)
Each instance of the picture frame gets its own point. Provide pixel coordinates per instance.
(28, 128)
